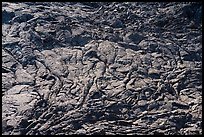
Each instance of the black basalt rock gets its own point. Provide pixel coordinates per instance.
(101, 68)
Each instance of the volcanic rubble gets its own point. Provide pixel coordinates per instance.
(106, 68)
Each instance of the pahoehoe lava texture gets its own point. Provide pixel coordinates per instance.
(101, 68)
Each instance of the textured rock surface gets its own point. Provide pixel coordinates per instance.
(101, 68)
